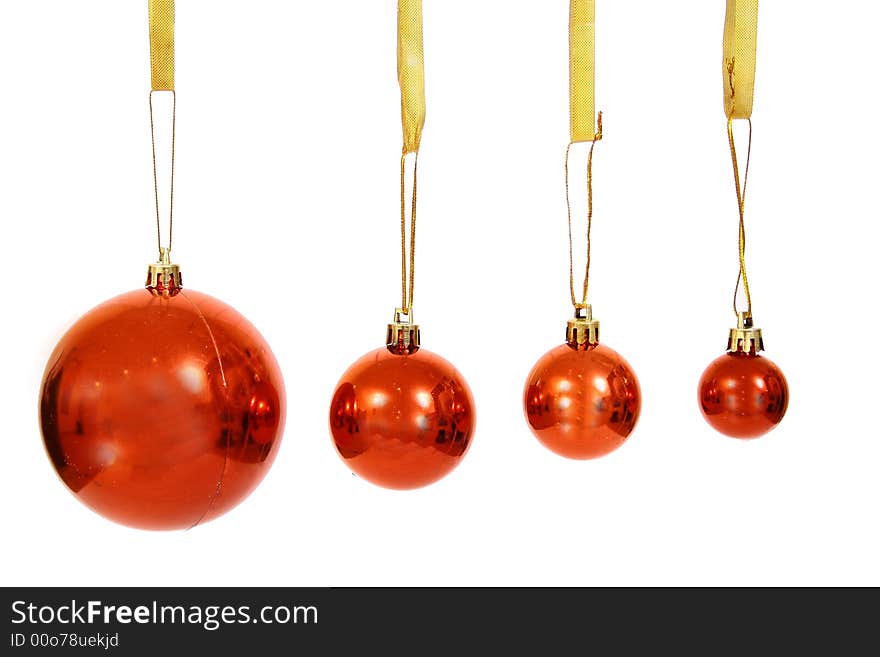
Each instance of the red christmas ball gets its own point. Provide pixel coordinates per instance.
(402, 420)
(582, 402)
(743, 394)
(162, 411)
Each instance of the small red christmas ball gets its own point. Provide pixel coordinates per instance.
(583, 401)
(743, 394)
(162, 411)
(402, 420)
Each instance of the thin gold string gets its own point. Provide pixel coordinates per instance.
(583, 302)
(406, 290)
(156, 174)
(741, 204)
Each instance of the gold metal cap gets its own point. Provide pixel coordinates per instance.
(163, 277)
(745, 337)
(402, 336)
(582, 330)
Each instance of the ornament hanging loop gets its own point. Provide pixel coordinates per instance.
(586, 285)
(163, 119)
(408, 264)
(741, 201)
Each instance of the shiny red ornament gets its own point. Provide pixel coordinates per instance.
(402, 420)
(743, 394)
(162, 410)
(583, 401)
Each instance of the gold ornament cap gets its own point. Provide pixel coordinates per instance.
(402, 336)
(163, 277)
(745, 337)
(582, 330)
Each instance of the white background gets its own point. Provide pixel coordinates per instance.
(287, 154)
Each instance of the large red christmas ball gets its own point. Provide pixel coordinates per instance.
(162, 412)
(582, 402)
(402, 420)
(743, 394)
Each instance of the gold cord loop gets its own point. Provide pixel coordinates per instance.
(406, 287)
(173, 121)
(741, 201)
(583, 300)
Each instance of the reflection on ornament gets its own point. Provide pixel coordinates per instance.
(582, 399)
(162, 408)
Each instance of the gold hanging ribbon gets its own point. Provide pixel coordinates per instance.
(162, 44)
(740, 40)
(738, 74)
(411, 72)
(582, 70)
(411, 77)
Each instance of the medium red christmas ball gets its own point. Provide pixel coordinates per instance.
(743, 394)
(162, 411)
(402, 420)
(583, 401)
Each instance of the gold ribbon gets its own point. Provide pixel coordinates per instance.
(162, 44)
(740, 40)
(411, 72)
(582, 70)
